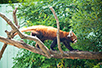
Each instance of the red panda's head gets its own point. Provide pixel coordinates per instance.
(72, 37)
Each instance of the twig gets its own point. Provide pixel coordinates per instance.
(14, 17)
(2, 50)
(58, 28)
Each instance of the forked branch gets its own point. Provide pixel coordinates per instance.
(34, 38)
(9, 33)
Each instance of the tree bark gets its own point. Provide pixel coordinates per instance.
(2, 50)
(78, 55)
(58, 28)
(54, 54)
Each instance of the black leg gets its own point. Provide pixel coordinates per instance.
(53, 44)
(67, 44)
(38, 45)
(38, 34)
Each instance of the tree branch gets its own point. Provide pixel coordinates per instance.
(23, 45)
(58, 28)
(9, 33)
(14, 18)
(34, 38)
(78, 55)
(55, 54)
(2, 50)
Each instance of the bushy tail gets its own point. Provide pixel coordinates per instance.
(29, 29)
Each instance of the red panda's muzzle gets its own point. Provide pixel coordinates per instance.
(74, 41)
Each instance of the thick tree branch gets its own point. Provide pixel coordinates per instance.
(58, 28)
(21, 45)
(78, 55)
(55, 54)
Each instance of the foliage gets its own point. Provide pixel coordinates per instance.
(8, 1)
(89, 17)
(83, 16)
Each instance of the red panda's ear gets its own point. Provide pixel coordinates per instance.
(70, 34)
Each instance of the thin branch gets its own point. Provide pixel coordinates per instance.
(15, 18)
(2, 50)
(58, 28)
(5, 44)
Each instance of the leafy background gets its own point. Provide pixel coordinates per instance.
(84, 17)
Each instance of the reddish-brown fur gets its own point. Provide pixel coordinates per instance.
(49, 33)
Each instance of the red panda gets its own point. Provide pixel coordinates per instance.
(49, 33)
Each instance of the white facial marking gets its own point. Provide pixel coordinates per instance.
(70, 34)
